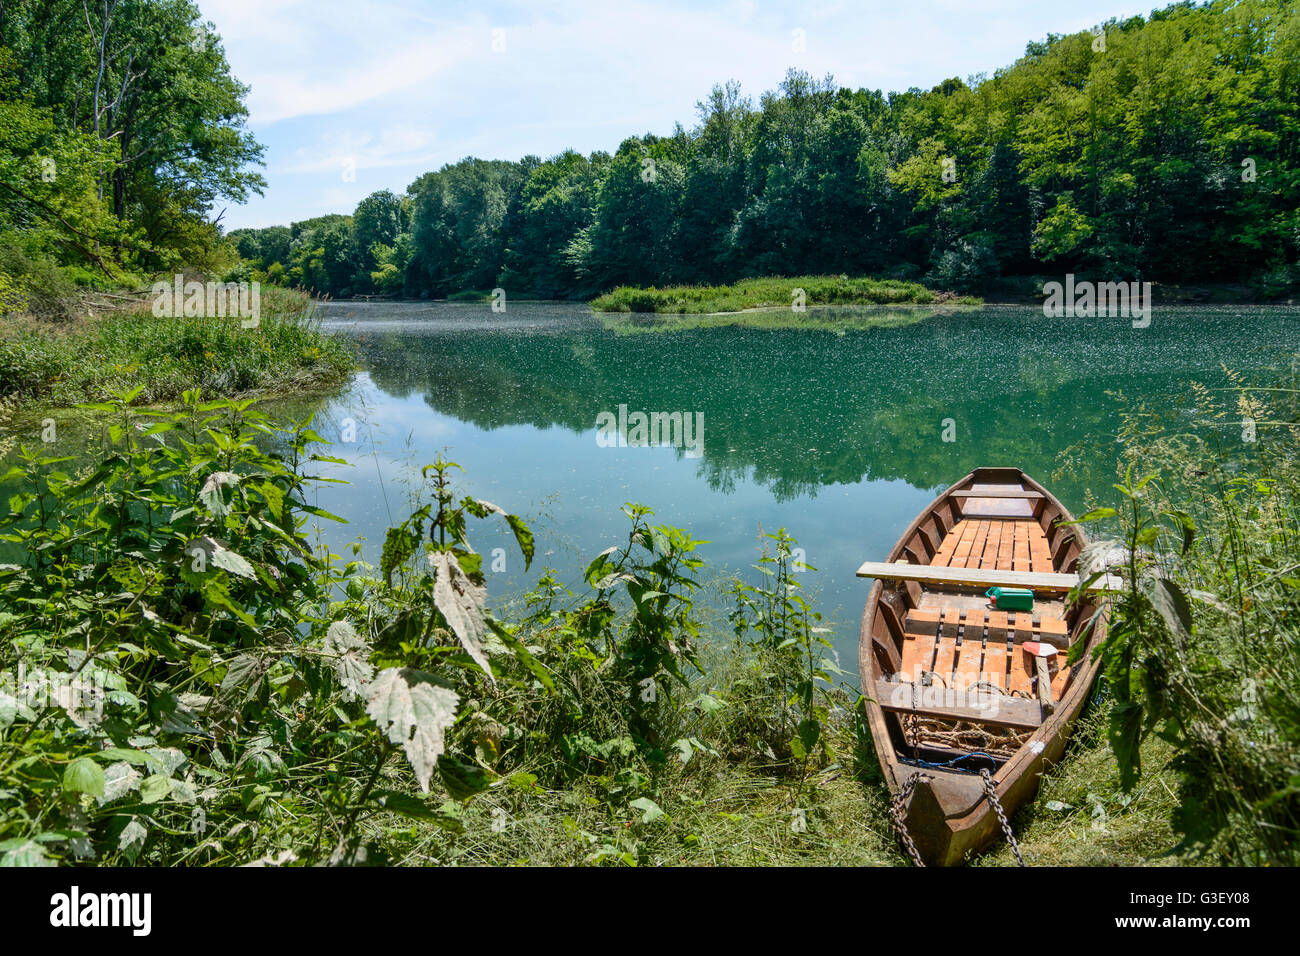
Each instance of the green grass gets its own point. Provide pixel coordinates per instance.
(90, 359)
(723, 812)
(1082, 816)
(771, 293)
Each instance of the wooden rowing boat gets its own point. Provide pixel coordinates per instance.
(949, 688)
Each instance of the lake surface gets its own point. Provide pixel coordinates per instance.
(837, 437)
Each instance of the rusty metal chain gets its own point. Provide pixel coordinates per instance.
(992, 792)
(897, 810)
(912, 723)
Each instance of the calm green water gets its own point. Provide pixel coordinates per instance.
(836, 437)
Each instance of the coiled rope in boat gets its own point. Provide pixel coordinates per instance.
(1007, 743)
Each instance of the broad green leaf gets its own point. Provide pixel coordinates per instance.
(228, 560)
(650, 811)
(9, 708)
(1125, 736)
(351, 653)
(131, 840)
(155, 788)
(405, 804)
(244, 670)
(119, 779)
(113, 754)
(416, 809)
(708, 703)
(213, 494)
(83, 775)
(462, 603)
(600, 566)
(462, 778)
(24, 853)
(523, 537)
(413, 716)
(809, 733)
(1172, 605)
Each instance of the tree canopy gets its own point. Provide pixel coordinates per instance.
(1160, 148)
(121, 128)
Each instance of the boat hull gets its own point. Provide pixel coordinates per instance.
(949, 815)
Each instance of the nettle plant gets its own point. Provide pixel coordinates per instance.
(221, 691)
(655, 650)
(621, 711)
(789, 660)
(1151, 617)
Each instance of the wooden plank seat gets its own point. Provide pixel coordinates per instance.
(1000, 493)
(934, 701)
(981, 577)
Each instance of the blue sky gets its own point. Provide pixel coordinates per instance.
(351, 97)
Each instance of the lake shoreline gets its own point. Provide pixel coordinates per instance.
(46, 366)
(1209, 294)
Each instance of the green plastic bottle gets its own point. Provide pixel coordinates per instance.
(1011, 599)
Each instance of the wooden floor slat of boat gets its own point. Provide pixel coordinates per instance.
(995, 652)
(970, 657)
(918, 655)
(940, 559)
(982, 535)
(1020, 680)
(1021, 562)
(962, 552)
(1005, 544)
(995, 545)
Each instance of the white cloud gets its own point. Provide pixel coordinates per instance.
(400, 146)
(314, 58)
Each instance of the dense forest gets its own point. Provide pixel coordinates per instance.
(121, 133)
(1164, 148)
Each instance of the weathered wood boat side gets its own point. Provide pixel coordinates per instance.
(953, 698)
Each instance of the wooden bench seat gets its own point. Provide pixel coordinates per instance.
(1001, 493)
(961, 577)
(934, 701)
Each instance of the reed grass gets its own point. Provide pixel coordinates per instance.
(89, 358)
(772, 292)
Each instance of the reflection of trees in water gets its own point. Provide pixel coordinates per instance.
(794, 410)
(833, 319)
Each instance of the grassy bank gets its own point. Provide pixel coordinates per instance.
(1204, 648)
(771, 293)
(249, 698)
(89, 359)
(242, 696)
